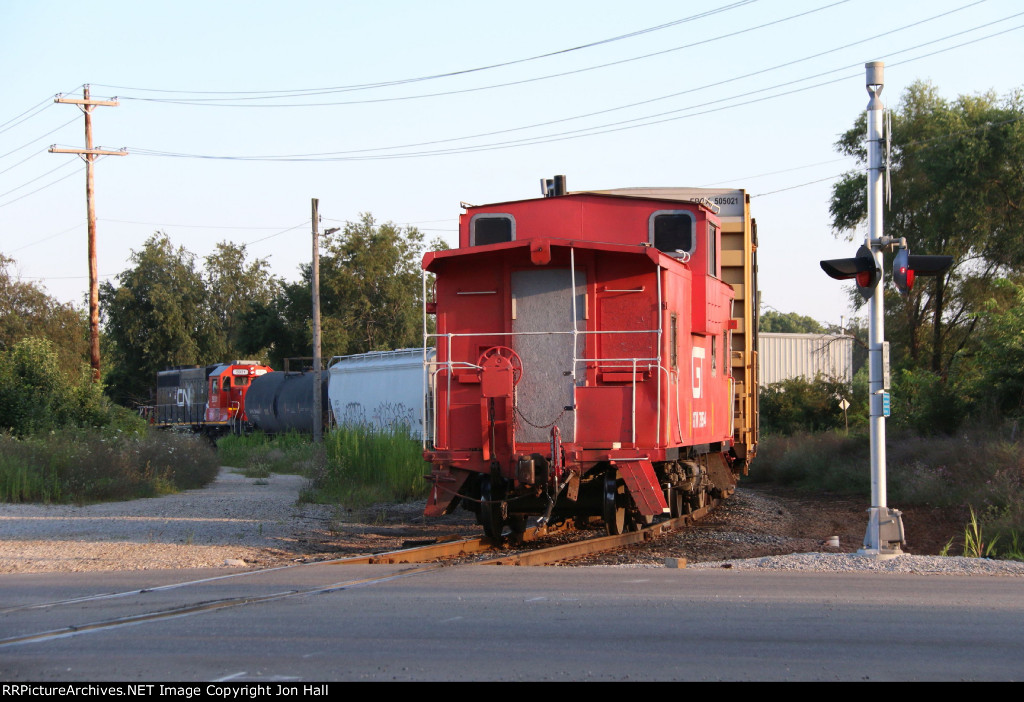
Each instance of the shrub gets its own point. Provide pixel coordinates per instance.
(800, 405)
(78, 465)
(36, 395)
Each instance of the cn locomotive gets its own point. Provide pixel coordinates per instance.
(595, 356)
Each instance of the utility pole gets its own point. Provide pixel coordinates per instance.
(89, 155)
(315, 283)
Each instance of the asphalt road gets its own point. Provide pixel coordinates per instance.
(506, 623)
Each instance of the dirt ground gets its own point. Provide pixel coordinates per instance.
(756, 521)
(257, 522)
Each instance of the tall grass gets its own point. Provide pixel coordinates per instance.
(80, 465)
(363, 466)
(257, 455)
(979, 470)
(356, 466)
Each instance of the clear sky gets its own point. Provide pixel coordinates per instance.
(747, 94)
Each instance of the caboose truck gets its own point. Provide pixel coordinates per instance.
(596, 356)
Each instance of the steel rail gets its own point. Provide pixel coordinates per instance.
(589, 547)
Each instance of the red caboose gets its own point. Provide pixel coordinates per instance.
(585, 362)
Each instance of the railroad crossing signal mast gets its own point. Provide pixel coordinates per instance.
(884, 534)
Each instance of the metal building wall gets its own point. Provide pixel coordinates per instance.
(784, 356)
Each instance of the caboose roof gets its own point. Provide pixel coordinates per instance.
(674, 195)
(430, 258)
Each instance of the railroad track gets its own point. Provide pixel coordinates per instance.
(420, 559)
(452, 548)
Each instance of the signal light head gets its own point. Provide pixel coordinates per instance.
(902, 273)
(862, 267)
(906, 267)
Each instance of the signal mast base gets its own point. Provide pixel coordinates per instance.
(884, 535)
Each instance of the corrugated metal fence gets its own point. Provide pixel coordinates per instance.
(784, 356)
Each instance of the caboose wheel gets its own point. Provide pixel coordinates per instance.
(698, 500)
(492, 512)
(614, 504)
(677, 502)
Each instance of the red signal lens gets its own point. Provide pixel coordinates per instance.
(864, 279)
(910, 277)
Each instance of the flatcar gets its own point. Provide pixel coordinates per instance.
(596, 356)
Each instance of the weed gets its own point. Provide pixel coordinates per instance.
(974, 542)
(1015, 552)
(93, 465)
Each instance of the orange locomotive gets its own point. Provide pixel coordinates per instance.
(206, 399)
(596, 356)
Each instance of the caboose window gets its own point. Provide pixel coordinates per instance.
(491, 229)
(672, 232)
(712, 250)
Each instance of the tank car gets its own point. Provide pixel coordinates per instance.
(596, 356)
(282, 402)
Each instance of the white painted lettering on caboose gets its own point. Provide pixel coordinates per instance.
(700, 420)
(698, 372)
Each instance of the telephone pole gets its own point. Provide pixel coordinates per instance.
(315, 290)
(89, 155)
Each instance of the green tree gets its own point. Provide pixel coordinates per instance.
(27, 311)
(157, 316)
(774, 322)
(798, 404)
(370, 296)
(957, 189)
(235, 289)
(372, 284)
(36, 394)
(997, 383)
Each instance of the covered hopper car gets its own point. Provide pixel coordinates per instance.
(596, 356)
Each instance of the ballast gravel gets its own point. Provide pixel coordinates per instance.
(240, 522)
(906, 564)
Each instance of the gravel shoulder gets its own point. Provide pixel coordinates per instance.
(245, 522)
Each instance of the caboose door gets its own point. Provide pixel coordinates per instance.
(542, 324)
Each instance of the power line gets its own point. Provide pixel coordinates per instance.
(647, 120)
(21, 197)
(930, 142)
(715, 84)
(218, 102)
(48, 102)
(182, 226)
(403, 81)
(29, 182)
(38, 138)
(29, 158)
(47, 238)
(4, 127)
(285, 231)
